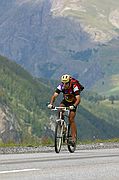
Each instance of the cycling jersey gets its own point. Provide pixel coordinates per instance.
(70, 93)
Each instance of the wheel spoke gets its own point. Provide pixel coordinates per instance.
(58, 137)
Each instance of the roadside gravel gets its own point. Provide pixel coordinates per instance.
(17, 150)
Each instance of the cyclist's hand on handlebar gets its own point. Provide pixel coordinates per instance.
(72, 107)
(50, 106)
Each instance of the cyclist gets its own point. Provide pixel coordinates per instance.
(71, 89)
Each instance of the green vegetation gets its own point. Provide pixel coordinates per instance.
(108, 56)
(26, 97)
(113, 140)
(29, 142)
(50, 142)
(97, 116)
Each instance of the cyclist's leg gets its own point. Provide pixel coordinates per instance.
(73, 125)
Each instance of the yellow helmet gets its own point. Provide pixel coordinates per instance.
(65, 78)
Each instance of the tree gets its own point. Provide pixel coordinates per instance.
(111, 98)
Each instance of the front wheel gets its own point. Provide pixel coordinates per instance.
(58, 136)
(71, 147)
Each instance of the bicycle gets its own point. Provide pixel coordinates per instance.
(63, 130)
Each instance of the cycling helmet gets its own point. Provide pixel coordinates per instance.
(65, 78)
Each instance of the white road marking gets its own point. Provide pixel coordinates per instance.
(18, 170)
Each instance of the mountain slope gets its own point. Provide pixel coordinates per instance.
(108, 56)
(98, 116)
(51, 37)
(25, 97)
(25, 117)
(99, 18)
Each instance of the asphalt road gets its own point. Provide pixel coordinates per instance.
(99, 164)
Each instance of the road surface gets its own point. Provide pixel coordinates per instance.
(99, 164)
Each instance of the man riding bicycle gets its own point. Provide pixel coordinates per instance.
(71, 89)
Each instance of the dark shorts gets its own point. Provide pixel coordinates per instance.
(67, 104)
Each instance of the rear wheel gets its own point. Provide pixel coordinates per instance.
(71, 147)
(58, 136)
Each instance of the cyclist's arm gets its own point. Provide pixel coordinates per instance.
(54, 96)
(77, 95)
(78, 99)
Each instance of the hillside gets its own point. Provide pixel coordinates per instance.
(25, 97)
(109, 61)
(24, 116)
(99, 18)
(101, 117)
(50, 37)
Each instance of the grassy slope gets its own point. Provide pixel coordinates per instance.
(27, 98)
(98, 119)
(109, 60)
(94, 13)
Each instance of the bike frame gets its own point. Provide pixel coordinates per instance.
(60, 124)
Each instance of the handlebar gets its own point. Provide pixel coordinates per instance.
(61, 108)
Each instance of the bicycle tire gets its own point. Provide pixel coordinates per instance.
(69, 138)
(58, 136)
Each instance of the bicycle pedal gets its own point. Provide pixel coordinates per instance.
(72, 143)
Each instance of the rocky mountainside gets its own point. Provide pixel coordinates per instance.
(50, 37)
(9, 126)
